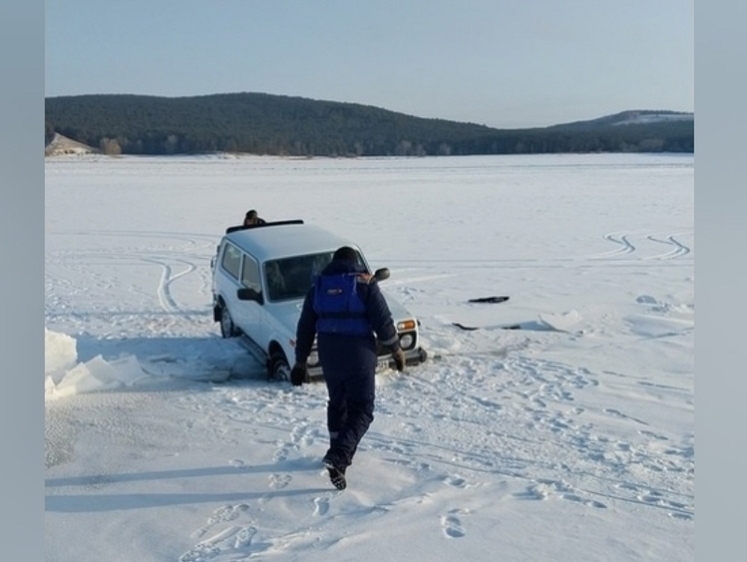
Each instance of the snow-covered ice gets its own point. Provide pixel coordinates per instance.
(568, 437)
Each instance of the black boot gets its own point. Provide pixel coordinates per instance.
(336, 471)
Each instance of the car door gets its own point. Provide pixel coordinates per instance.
(249, 313)
(226, 277)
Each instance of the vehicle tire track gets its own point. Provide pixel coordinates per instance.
(625, 247)
(676, 252)
(167, 278)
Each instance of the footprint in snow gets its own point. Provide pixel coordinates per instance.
(532, 493)
(452, 524)
(591, 503)
(278, 481)
(456, 481)
(200, 553)
(238, 463)
(244, 537)
(223, 514)
(321, 506)
(281, 455)
(224, 543)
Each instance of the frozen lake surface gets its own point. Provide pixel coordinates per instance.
(571, 438)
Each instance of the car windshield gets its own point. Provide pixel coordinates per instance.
(290, 278)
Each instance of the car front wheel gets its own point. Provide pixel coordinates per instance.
(227, 327)
(279, 368)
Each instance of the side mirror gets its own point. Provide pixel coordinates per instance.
(246, 294)
(382, 274)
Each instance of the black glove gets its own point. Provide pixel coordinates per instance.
(399, 359)
(298, 374)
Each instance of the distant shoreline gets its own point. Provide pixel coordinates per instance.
(289, 126)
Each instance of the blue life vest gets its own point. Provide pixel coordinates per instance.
(339, 307)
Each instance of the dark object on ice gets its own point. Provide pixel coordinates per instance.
(506, 327)
(493, 300)
(463, 327)
(231, 229)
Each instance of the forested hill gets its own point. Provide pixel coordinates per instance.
(281, 125)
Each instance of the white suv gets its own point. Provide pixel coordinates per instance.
(261, 274)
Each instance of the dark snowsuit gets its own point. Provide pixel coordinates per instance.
(347, 352)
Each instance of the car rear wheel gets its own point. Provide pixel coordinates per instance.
(279, 368)
(227, 327)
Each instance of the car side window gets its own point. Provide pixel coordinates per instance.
(231, 260)
(275, 281)
(250, 274)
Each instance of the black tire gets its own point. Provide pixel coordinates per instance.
(227, 327)
(423, 354)
(279, 367)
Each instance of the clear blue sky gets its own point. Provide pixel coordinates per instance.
(502, 63)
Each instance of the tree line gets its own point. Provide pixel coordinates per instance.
(282, 125)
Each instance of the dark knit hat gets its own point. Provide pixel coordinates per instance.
(345, 253)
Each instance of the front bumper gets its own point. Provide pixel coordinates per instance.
(413, 357)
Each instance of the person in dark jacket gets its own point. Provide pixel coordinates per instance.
(344, 309)
(252, 218)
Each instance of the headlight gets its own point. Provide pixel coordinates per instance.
(407, 341)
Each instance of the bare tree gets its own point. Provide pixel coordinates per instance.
(110, 146)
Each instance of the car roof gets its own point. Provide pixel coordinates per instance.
(285, 239)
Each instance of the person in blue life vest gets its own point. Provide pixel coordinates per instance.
(343, 309)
